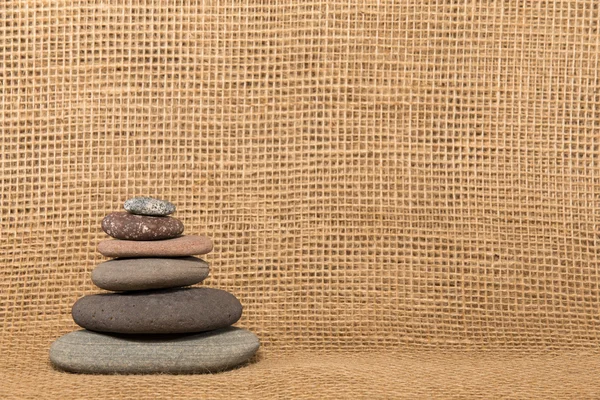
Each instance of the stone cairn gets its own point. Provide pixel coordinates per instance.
(153, 324)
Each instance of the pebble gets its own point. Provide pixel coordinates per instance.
(96, 353)
(184, 310)
(149, 273)
(122, 225)
(149, 206)
(179, 247)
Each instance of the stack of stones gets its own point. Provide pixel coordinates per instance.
(153, 324)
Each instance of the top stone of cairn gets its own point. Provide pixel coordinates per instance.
(149, 206)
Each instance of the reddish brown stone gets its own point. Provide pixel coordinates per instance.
(179, 247)
(122, 225)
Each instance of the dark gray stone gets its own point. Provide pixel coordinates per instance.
(122, 225)
(149, 273)
(99, 353)
(179, 247)
(149, 206)
(162, 311)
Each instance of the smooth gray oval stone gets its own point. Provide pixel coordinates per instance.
(125, 226)
(124, 274)
(184, 310)
(149, 206)
(100, 353)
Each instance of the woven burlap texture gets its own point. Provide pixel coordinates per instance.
(402, 194)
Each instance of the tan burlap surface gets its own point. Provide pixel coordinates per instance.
(403, 194)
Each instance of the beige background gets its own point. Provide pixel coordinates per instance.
(414, 177)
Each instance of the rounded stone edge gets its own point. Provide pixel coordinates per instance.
(58, 358)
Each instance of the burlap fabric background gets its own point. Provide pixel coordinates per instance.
(403, 194)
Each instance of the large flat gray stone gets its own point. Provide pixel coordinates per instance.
(99, 353)
(186, 310)
(149, 273)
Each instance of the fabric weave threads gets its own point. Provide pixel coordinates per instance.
(376, 176)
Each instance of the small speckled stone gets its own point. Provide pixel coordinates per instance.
(122, 225)
(185, 310)
(149, 206)
(179, 247)
(149, 273)
(99, 353)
